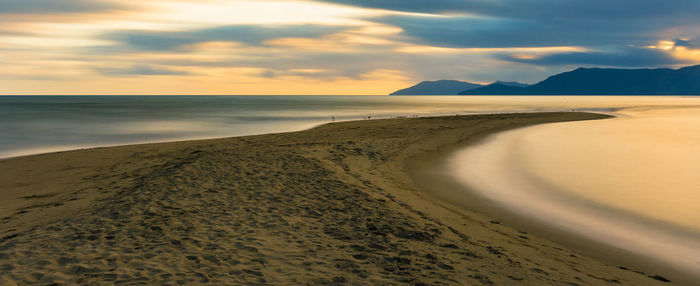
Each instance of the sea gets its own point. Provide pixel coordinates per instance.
(632, 182)
(41, 124)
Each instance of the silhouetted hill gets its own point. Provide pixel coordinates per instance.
(511, 83)
(603, 81)
(495, 89)
(440, 87)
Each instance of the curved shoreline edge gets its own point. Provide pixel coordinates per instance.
(335, 204)
(667, 245)
(431, 174)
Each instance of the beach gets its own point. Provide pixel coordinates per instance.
(342, 203)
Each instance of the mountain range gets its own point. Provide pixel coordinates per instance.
(586, 81)
(449, 87)
(438, 87)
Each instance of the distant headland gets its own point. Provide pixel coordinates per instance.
(582, 81)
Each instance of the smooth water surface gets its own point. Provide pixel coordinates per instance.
(632, 182)
(39, 124)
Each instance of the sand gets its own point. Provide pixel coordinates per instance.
(336, 204)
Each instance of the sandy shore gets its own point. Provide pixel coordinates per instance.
(336, 204)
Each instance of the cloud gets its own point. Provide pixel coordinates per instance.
(516, 23)
(541, 9)
(139, 70)
(684, 43)
(270, 62)
(629, 57)
(473, 32)
(612, 30)
(268, 74)
(490, 32)
(54, 6)
(252, 42)
(248, 34)
(324, 74)
(316, 65)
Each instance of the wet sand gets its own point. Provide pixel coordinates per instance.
(336, 204)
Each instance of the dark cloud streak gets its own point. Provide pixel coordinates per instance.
(684, 43)
(139, 70)
(542, 9)
(610, 28)
(630, 57)
(249, 34)
(470, 32)
(516, 23)
(55, 6)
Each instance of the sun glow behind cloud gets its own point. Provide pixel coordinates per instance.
(680, 49)
(281, 47)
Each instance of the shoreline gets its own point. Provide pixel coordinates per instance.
(334, 204)
(62, 149)
(430, 172)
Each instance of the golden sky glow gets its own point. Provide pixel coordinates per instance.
(680, 52)
(249, 47)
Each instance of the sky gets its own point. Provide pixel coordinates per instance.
(124, 47)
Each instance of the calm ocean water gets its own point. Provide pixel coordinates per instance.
(39, 124)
